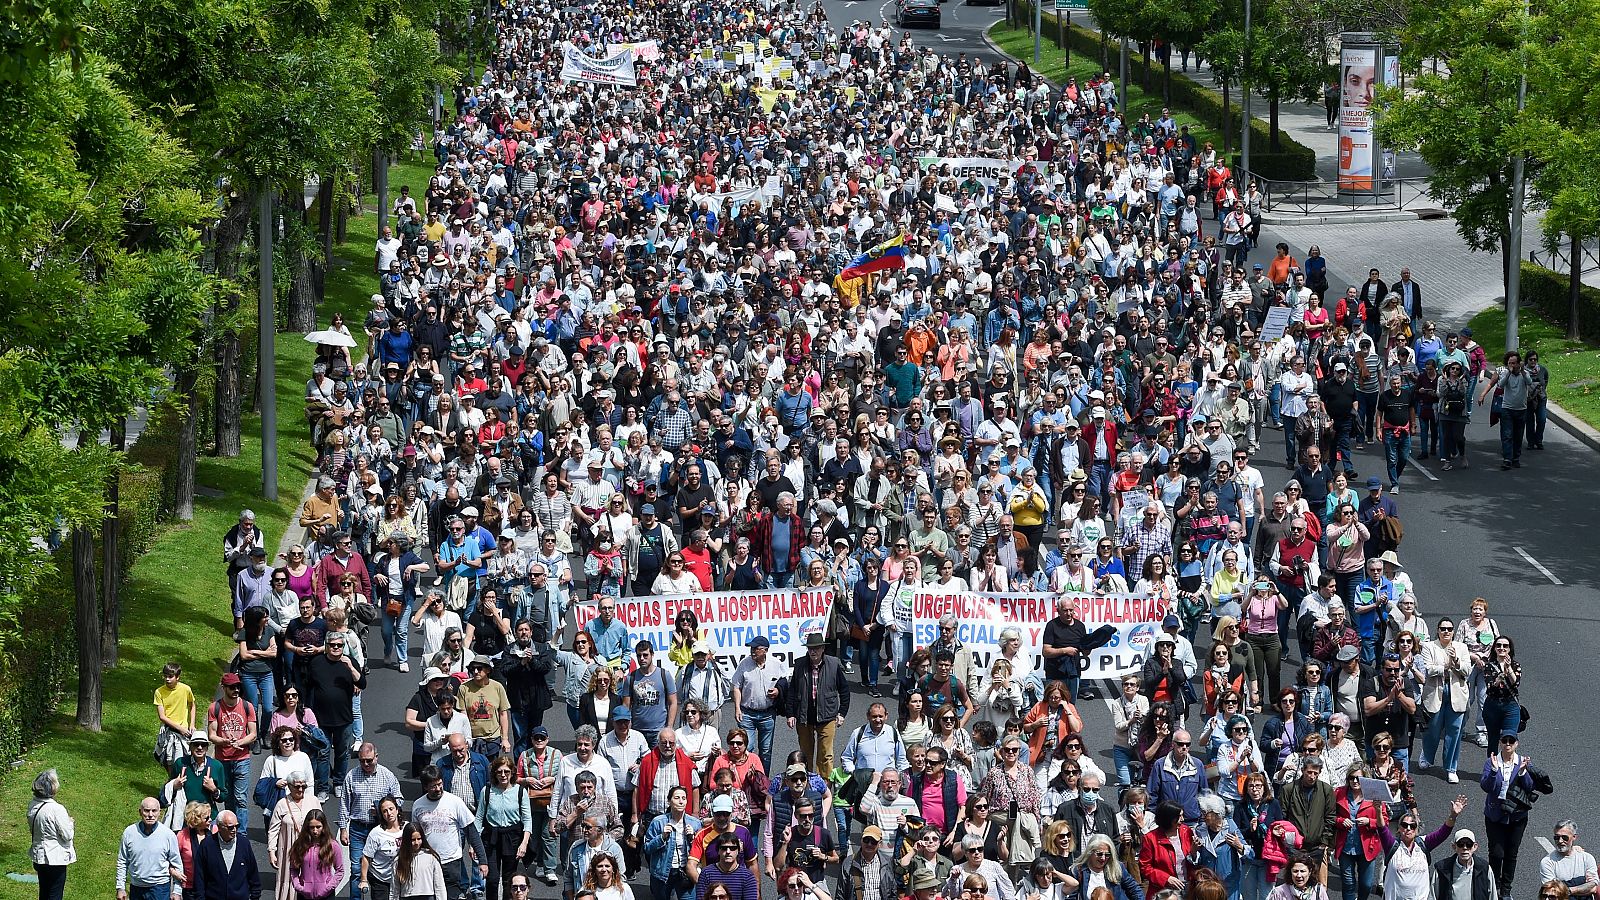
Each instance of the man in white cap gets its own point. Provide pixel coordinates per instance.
(1465, 875)
(702, 681)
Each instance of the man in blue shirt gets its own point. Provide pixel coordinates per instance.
(610, 634)
(1372, 599)
(650, 693)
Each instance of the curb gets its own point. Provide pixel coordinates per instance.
(989, 42)
(1354, 217)
(1574, 426)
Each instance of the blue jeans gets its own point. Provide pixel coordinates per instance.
(358, 843)
(1428, 434)
(761, 724)
(901, 642)
(1355, 876)
(1099, 482)
(871, 660)
(1290, 451)
(1513, 424)
(841, 830)
(780, 579)
(1123, 757)
(397, 633)
(259, 690)
(661, 889)
(239, 787)
(1344, 431)
(1368, 406)
(162, 891)
(1500, 717)
(1396, 449)
(1538, 414)
(339, 737)
(358, 728)
(1445, 724)
(1402, 755)
(1254, 885)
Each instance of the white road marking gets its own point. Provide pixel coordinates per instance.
(948, 39)
(1419, 467)
(1537, 565)
(1545, 843)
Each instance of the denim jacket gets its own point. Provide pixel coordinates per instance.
(661, 844)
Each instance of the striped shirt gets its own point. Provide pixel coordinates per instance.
(362, 793)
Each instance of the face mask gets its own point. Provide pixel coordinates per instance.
(1089, 798)
(1136, 809)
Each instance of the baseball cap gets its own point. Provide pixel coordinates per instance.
(622, 714)
(722, 804)
(758, 642)
(795, 769)
(1374, 483)
(232, 679)
(1171, 621)
(649, 509)
(1464, 834)
(1340, 367)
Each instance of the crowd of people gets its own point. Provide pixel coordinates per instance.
(620, 347)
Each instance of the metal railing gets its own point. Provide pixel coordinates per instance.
(1559, 259)
(1308, 197)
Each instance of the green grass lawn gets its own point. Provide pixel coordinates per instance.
(176, 608)
(1018, 43)
(1574, 365)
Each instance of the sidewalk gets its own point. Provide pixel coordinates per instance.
(1305, 122)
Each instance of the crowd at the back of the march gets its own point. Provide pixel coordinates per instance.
(721, 332)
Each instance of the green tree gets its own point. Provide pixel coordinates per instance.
(1464, 123)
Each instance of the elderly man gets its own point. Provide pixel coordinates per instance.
(1178, 778)
(819, 701)
(148, 864)
(660, 772)
(225, 867)
(779, 536)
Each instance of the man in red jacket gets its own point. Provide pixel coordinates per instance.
(1101, 437)
(660, 772)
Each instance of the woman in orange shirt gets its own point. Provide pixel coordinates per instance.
(1282, 262)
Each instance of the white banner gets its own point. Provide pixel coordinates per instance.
(985, 169)
(643, 51)
(981, 618)
(729, 202)
(616, 69)
(730, 619)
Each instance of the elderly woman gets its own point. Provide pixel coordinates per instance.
(52, 830)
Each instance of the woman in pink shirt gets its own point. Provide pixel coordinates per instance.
(316, 861)
(1347, 541)
(1260, 616)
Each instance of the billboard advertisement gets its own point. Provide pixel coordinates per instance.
(1358, 75)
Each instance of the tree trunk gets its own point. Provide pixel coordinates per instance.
(1144, 76)
(187, 390)
(380, 186)
(227, 398)
(1166, 73)
(297, 239)
(86, 618)
(111, 553)
(319, 266)
(229, 237)
(1105, 51)
(1574, 284)
(1272, 112)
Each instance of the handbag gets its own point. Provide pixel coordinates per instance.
(267, 793)
(394, 607)
(365, 613)
(858, 632)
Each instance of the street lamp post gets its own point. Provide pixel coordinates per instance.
(1244, 99)
(1514, 277)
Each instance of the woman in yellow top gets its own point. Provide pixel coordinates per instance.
(686, 631)
(1228, 587)
(1028, 505)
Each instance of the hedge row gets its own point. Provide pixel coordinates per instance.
(1547, 291)
(1294, 162)
(40, 659)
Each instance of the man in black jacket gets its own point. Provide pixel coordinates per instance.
(1089, 814)
(1339, 398)
(1464, 876)
(225, 866)
(819, 700)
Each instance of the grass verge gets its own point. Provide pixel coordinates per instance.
(1574, 365)
(176, 607)
(1017, 43)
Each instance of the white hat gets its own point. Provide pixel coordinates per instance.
(469, 511)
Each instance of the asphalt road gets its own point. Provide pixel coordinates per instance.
(1518, 538)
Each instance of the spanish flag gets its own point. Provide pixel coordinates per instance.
(890, 254)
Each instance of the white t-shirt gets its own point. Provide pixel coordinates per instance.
(443, 821)
(388, 252)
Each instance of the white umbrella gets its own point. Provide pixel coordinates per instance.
(331, 338)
